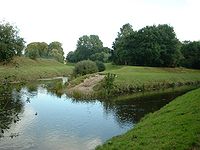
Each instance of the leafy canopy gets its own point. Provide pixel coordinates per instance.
(11, 43)
(89, 47)
(43, 50)
(85, 67)
(149, 46)
(191, 54)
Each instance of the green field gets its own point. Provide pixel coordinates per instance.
(175, 126)
(133, 78)
(25, 69)
(148, 75)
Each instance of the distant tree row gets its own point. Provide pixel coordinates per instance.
(154, 46)
(149, 46)
(42, 50)
(11, 44)
(89, 47)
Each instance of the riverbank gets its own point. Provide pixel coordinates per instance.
(137, 79)
(22, 69)
(134, 79)
(175, 126)
(84, 87)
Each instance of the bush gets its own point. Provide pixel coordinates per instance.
(85, 67)
(109, 82)
(100, 65)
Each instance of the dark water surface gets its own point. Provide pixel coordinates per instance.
(38, 117)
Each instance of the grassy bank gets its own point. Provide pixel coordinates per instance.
(175, 126)
(144, 95)
(136, 79)
(131, 79)
(25, 69)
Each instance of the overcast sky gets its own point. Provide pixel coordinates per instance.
(67, 20)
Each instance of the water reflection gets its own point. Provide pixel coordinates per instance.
(39, 116)
(132, 110)
(11, 106)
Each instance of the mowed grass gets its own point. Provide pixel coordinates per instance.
(25, 69)
(175, 126)
(138, 75)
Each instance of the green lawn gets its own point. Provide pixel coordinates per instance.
(175, 126)
(150, 77)
(25, 69)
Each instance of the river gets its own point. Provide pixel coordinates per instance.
(37, 117)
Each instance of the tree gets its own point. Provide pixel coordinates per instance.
(120, 52)
(43, 50)
(170, 53)
(37, 49)
(88, 45)
(191, 54)
(54, 53)
(11, 43)
(32, 53)
(86, 48)
(150, 46)
(56, 45)
(55, 50)
(71, 57)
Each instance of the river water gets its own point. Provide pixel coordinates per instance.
(37, 117)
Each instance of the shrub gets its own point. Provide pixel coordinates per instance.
(100, 65)
(109, 80)
(85, 67)
(108, 83)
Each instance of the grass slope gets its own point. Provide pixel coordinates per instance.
(151, 77)
(25, 69)
(140, 75)
(175, 126)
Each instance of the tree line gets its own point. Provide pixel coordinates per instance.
(155, 46)
(11, 44)
(150, 46)
(42, 50)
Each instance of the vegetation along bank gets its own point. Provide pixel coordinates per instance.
(135, 79)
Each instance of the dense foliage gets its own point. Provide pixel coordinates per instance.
(11, 43)
(43, 50)
(89, 47)
(85, 67)
(150, 46)
(100, 66)
(191, 54)
(108, 83)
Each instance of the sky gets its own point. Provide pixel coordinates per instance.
(67, 20)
